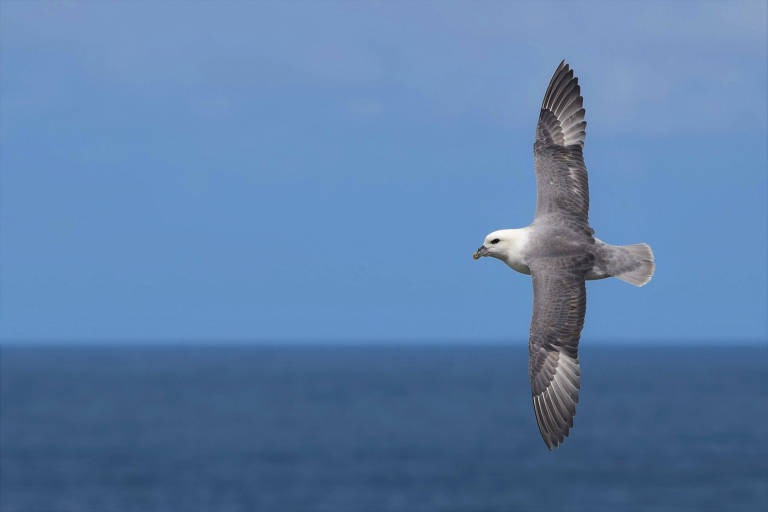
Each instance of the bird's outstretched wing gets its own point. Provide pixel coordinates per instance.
(561, 175)
(559, 304)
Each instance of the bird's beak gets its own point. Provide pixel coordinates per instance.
(482, 251)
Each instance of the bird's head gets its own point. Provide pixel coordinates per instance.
(496, 244)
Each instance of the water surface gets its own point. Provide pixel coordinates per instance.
(398, 428)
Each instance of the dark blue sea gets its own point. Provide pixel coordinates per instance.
(377, 428)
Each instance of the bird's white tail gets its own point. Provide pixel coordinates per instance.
(638, 265)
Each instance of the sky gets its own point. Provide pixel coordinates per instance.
(324, 171)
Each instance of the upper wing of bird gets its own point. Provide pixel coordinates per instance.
(559, 304)
(561, 175)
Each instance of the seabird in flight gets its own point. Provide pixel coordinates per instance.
(559, 251)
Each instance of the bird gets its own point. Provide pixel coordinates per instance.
(560, 253)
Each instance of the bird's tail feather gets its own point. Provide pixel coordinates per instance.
(638, 264)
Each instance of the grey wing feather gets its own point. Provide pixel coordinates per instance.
(561, 175)
(559, 305)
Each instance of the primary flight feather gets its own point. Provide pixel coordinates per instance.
(560, 252)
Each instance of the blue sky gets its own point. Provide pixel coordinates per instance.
(324, 171)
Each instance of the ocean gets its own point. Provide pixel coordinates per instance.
(377, 428)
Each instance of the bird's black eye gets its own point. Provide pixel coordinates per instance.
(495, 241)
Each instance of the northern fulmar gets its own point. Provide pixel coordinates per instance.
(559, 251)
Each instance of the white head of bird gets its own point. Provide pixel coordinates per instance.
(507, 245)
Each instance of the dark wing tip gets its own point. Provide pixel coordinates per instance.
(554, 82)
(554, 402)
(554, 428)
(563, 99)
